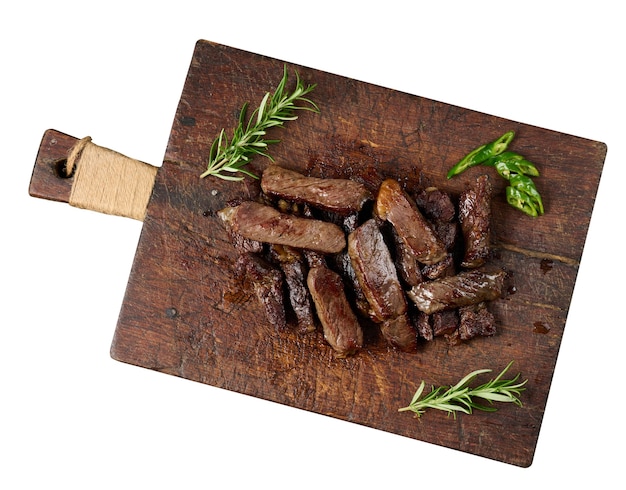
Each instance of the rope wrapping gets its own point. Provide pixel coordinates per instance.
(109, 182)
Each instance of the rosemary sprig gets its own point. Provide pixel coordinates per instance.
(248, 139)
(460, 397)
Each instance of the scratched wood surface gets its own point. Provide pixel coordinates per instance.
(184, 314)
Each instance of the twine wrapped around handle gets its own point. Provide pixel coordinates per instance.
(109, 182)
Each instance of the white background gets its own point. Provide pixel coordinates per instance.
(71, 417)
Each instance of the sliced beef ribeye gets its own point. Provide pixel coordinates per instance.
(464, 289)
(265, 224)
(376, 273)
(267, 282)
(340, 325)
(475, 217)
(342, 196)
(396, 206)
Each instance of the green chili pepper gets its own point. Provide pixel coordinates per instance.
(481, 154)
(521, 193)
(520, 200)
(509, 163)
(525, 185)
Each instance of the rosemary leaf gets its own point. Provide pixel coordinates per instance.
(460, 397)
(248, 138)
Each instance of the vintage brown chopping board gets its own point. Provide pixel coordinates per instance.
(185, 314)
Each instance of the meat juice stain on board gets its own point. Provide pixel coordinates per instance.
(541, 327)
(361, 160)
(546, 265)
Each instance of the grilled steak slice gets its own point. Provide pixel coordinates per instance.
(475, 217)
(399, 333)
(440, 323)
(438, 208)
(341, 196)
(406, 264)
(265, 224)
(267, 281)
(241, 244)
(422, 323)
(476, 320)
(448, 232)
(343, 264)
(464, 289)
(442, 268)
(395, 206)
(436, 205)
(340, 325)
(295, 271)
(376, 273)
(313, 258)
(445, 322)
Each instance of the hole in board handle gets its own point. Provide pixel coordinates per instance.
(60, 169)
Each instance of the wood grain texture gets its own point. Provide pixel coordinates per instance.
(184, 313)
(48, 180)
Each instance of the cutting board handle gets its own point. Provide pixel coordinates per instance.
(88, 176)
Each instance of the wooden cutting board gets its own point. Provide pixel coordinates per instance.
(184, 313)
